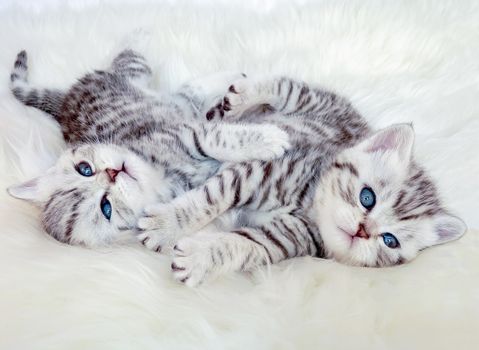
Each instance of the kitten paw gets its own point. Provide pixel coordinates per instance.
(272, 143)
(157, 229)
(193, 262)
(241, 96)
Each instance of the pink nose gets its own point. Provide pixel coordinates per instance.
(112, 173)
(362, 232)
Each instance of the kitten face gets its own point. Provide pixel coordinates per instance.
(376, 207)
(93, 194)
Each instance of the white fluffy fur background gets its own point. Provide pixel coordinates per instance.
(398, 61)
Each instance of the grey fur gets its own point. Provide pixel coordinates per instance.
(115, 106)
(321, 126)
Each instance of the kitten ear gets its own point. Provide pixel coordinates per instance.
(448, 228)
(398, 138)
(29, 191)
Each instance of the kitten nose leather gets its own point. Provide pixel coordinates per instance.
(361, 232)
(112, 173)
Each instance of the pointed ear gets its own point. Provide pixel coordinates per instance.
(398, 139)
(448, 228)
(28, 191)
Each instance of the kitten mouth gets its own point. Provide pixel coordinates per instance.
(124, 168)
(351, 236)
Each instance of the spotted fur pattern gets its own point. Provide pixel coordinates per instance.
(306, 202)
(158, 144)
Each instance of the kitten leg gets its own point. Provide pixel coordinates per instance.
(190, 212)
(243, 142)
(283, 95)
(132, 66)
(203, 92)
(234, 142)
(47, 100)
(240, 185)
(204, 256)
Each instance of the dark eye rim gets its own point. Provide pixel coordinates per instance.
(395, 238)
(77, 168)
(366, 187)
(104, 199)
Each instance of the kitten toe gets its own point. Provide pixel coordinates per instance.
(150, 241)
(215, 112)
(191, 263)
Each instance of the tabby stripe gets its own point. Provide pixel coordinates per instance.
(266, 172)
(32, 98)
(250, 199)
(427, 213)
(208, 196)
(248, 236)
(320, 253)
(196, 141)
(346, 194)
(55, 194)
(288, 95)
(289, 235)
(72, 220)
(222, 184)
(305, 102)
(279, 86)
(236, 183)
(198, 146)
(291, 165)
(249, 170)
(316, 129)
(275, 241)
(291, 232)
(399, 199)
(265, 197)
(302, 194)
(347, 166)
(312, 108)
(246, 261)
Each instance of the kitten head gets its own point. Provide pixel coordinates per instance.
(93, 194)
(377, 207)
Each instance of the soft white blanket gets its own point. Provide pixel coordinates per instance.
(397, 60)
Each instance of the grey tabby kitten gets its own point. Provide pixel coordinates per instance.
(129, 147)
(342, 191)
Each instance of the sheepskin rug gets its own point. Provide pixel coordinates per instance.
(398, 61)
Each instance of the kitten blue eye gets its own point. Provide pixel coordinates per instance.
(367, 198)
(84, 169)
(105, 206)
(390, 241)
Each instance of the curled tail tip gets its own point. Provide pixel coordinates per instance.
(21, 61)
(20, 68)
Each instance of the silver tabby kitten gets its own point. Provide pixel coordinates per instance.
(342, 191)
(130, 147)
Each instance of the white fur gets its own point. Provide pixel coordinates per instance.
(382, 162)
(399, 62)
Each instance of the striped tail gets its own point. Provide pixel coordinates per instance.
(47, 100)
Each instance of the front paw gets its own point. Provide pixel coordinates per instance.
(272, 143)
(157, 229)
(193, 262)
